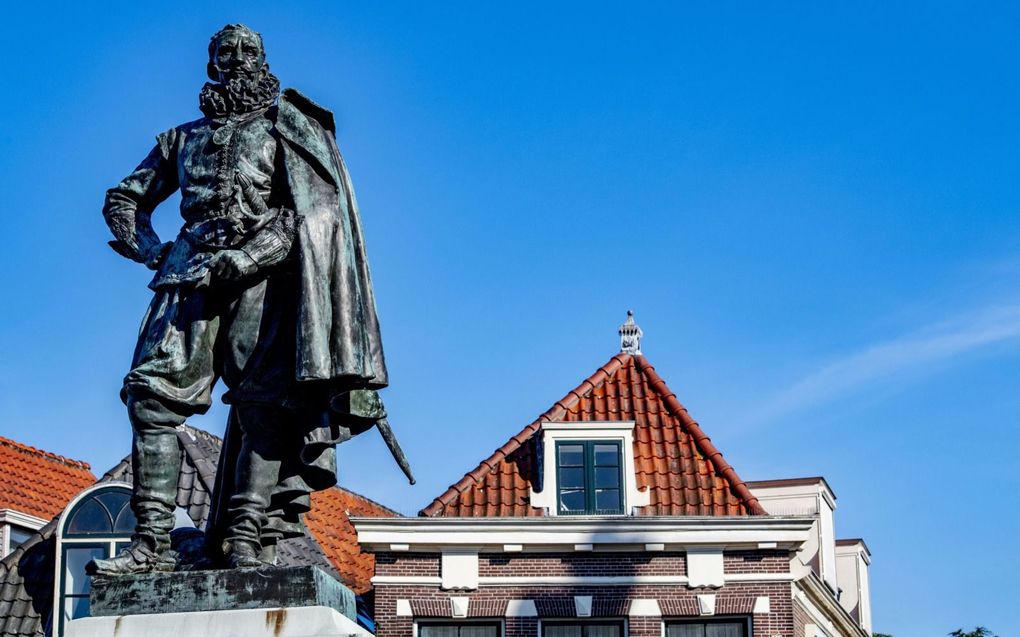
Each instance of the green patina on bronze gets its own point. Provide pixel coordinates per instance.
(202, 591)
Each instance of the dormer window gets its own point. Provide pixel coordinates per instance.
(587, 468)
(589, 477)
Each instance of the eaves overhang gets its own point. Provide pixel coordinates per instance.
(545, 533)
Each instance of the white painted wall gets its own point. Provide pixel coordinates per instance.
(815, 499)
(852, 564)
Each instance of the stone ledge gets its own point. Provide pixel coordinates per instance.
(307, 621)
(221, 590)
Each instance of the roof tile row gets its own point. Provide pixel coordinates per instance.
(675, 461)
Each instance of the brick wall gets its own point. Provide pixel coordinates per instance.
(756, 562)
(581, 564)
(778, 622)
(419, 564)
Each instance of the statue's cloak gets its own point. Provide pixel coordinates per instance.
(338, 337)
(339, 357)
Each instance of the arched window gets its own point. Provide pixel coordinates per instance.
(96, 525)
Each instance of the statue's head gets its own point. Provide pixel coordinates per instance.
(235, 52)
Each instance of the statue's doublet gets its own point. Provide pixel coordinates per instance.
(208, 154)
(211, 152)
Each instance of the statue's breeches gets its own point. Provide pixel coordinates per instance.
(191, 337)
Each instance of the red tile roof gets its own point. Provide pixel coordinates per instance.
(39, 483)
(683, 471)
(329, 525)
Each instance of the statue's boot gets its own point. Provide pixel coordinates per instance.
(139, 557)
(256, 475)
(243, 554)
(156, 463)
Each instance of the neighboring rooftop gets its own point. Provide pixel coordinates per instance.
(675, 460)
(329, 526)
(39, 483)
(26, 575)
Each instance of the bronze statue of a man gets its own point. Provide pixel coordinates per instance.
(266, 287)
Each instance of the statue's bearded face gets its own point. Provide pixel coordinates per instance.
(241, 81)
(238, 55)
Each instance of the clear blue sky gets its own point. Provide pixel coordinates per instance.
(812, 210)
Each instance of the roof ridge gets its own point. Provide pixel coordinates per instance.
(555, 412)
(701, 439)
(30, 450)
(199, 433)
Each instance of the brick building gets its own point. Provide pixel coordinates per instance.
(613, 514)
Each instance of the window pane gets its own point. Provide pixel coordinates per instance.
(437, 631)
(90, 518)
(75, 559)
(727, 629)
(19, 536)
(607, 478)
(610, 630)
(125, 521)
(685, 630)
(75, 607)
(476, 630)
(562, 630)
(571, 455)
(114, 501)
(607, 500)
(572, 501)
(607, 455)
(572, 478)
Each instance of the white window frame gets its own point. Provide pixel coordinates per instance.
(9, 518)
(584, 620)
(616, 431)
(746, 620)
(459, 620)
(58, 623)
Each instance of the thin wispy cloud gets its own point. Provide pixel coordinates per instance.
(896, 360)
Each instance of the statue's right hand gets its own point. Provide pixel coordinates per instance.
(157, 254)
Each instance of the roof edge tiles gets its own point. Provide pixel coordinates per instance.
(46, 455)
(556, 412)
(560, 410)
(700, 437)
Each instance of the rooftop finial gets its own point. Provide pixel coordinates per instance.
(630, 335)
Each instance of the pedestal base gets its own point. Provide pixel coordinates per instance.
(229, 589)
(307, 621)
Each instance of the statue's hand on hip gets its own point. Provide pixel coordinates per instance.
(156, 255)
(232, 265)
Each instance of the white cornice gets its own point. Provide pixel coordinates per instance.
(587, 426)
(616, 533)
(17, 518)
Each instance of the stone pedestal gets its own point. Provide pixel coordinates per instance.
(302, 601)
(232, 589)
(306, 621)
